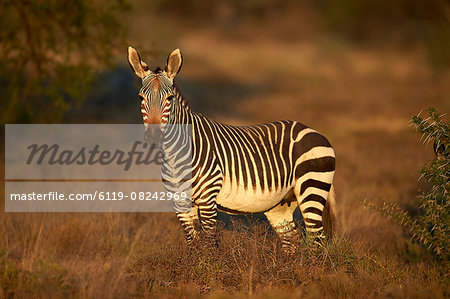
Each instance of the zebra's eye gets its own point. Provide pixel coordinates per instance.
(141, 98)
(170, 98)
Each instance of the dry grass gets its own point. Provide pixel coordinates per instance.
(122, 255)
(362, 99)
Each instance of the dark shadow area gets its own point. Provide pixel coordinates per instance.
(239, 222)
(113, 98)
(217, 97)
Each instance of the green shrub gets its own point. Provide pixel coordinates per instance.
(431, 227)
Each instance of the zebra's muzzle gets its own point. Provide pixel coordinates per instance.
(153, 135)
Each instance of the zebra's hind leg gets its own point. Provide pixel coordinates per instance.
(281, 217)
(312, 191)
(190, 223)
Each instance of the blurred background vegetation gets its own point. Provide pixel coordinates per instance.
(53, 51)
(357, 71)
(50, 50)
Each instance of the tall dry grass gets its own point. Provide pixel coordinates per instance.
(123, 255)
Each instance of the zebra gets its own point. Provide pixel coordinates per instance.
(270, 168)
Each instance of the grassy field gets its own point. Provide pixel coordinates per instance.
(361, 98)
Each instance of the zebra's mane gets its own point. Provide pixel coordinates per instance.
(183, 100)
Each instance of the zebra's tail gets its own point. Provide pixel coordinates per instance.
(329, 215)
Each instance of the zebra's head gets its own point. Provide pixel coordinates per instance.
(157, 86)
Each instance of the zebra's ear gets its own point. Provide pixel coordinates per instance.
(174, 62)
(139, 67)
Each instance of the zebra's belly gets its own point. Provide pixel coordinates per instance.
(240, 200)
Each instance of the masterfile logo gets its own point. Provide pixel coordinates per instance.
(140, 153)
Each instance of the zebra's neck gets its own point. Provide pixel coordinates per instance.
(182, 100)
(180, 111)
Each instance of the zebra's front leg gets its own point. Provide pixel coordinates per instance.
(281, 217)
(208, 219)
(190, 223)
